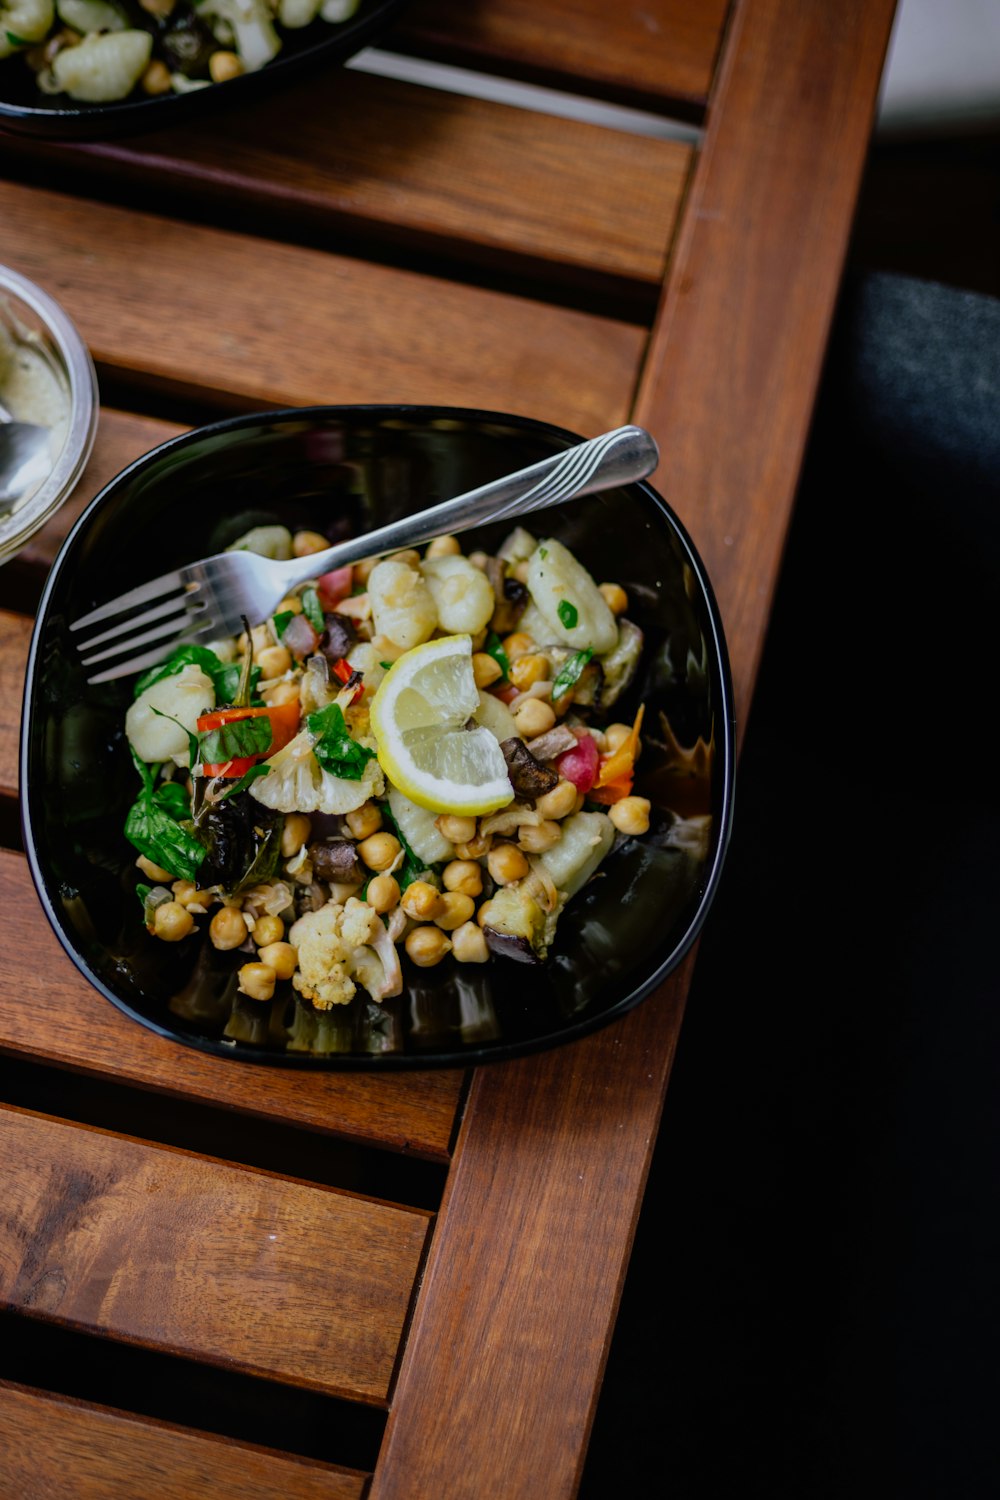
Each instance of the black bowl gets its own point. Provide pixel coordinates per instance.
(340, 470)
(27, 111)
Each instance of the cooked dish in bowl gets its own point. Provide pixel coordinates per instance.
(99, 51)
(438, 808)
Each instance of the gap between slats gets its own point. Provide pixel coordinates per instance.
(153, 1384)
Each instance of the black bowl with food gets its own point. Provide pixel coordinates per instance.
(533, 921)
(89, 69)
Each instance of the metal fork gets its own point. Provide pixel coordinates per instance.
(208, 599)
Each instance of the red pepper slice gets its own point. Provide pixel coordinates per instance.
(343, 670)
(284, 719)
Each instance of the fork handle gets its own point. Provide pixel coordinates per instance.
(617, 457)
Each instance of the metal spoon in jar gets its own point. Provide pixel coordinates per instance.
(24, 459)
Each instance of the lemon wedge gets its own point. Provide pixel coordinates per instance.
(419, 717)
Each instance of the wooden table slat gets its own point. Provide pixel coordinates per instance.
(55, 1448)
(219, 315)
(531, 193)
(660, 54)
(224, 1264)
(49, 1012)
(735, 360)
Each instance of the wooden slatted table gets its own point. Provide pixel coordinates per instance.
(232, 1281)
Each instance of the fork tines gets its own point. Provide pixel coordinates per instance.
(178, 617)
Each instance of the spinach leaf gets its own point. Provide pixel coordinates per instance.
(495, 649)
(280, 622)
(153, 828)
(313, 610)
(570, 671)
(192, 738)
(236, 741)
(334, 748)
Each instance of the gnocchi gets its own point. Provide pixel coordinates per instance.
(569, 600)
(462, 593)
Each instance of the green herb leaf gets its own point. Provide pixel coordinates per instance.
(313, 610)
(153, 829)
(569, 673)
(333, 746)
(173, 799)
(568, 613)
(385, 665)
(543, 553)
(15, 40)
(495, 649)
(280, 622)
(235, 741)
(142, 891)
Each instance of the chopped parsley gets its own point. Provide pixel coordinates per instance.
(568, 613)
(570, 672)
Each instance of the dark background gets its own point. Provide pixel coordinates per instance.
(811, 1306)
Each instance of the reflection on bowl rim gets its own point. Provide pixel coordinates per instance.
(373, 1061)
(78, 366)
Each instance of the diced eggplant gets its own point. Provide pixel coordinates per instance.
(529, 778)
(338, 637)
(336, 861)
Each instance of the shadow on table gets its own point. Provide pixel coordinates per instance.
(811, 1307)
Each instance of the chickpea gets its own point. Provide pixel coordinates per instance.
(526, 670)
(630, 814)
(362, 569)
(485, 669)
(616, 734)
(615, 597)
(156, 79)
(539, 838)
(260, 639)
(468, 943)
(409, 556)
(222, 66)
(342, 890)
(184, 891)
(427, 946)
(172, 921)
(290, 605)
(457, 830)
(506, 864)
(520, 571)
(558, 803)
(159, 8)
(364, 821)
(444, 546)
(155, 872)
(281, 957)
(463, 875)
(379, 851)
(454, 910)
(227, 928)
(600, 739)
(533, 716)
(383, 893)
(274, 661)
(281, 692)
(295, 833)
(257, 981)
(475, 848)
(304, 543)
(421, 900)
(517, 644)
(479, 560)
(268, 929)
(483, 914)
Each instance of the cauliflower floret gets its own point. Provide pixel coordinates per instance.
(325, 942)
(297, 782)
(256, 42)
